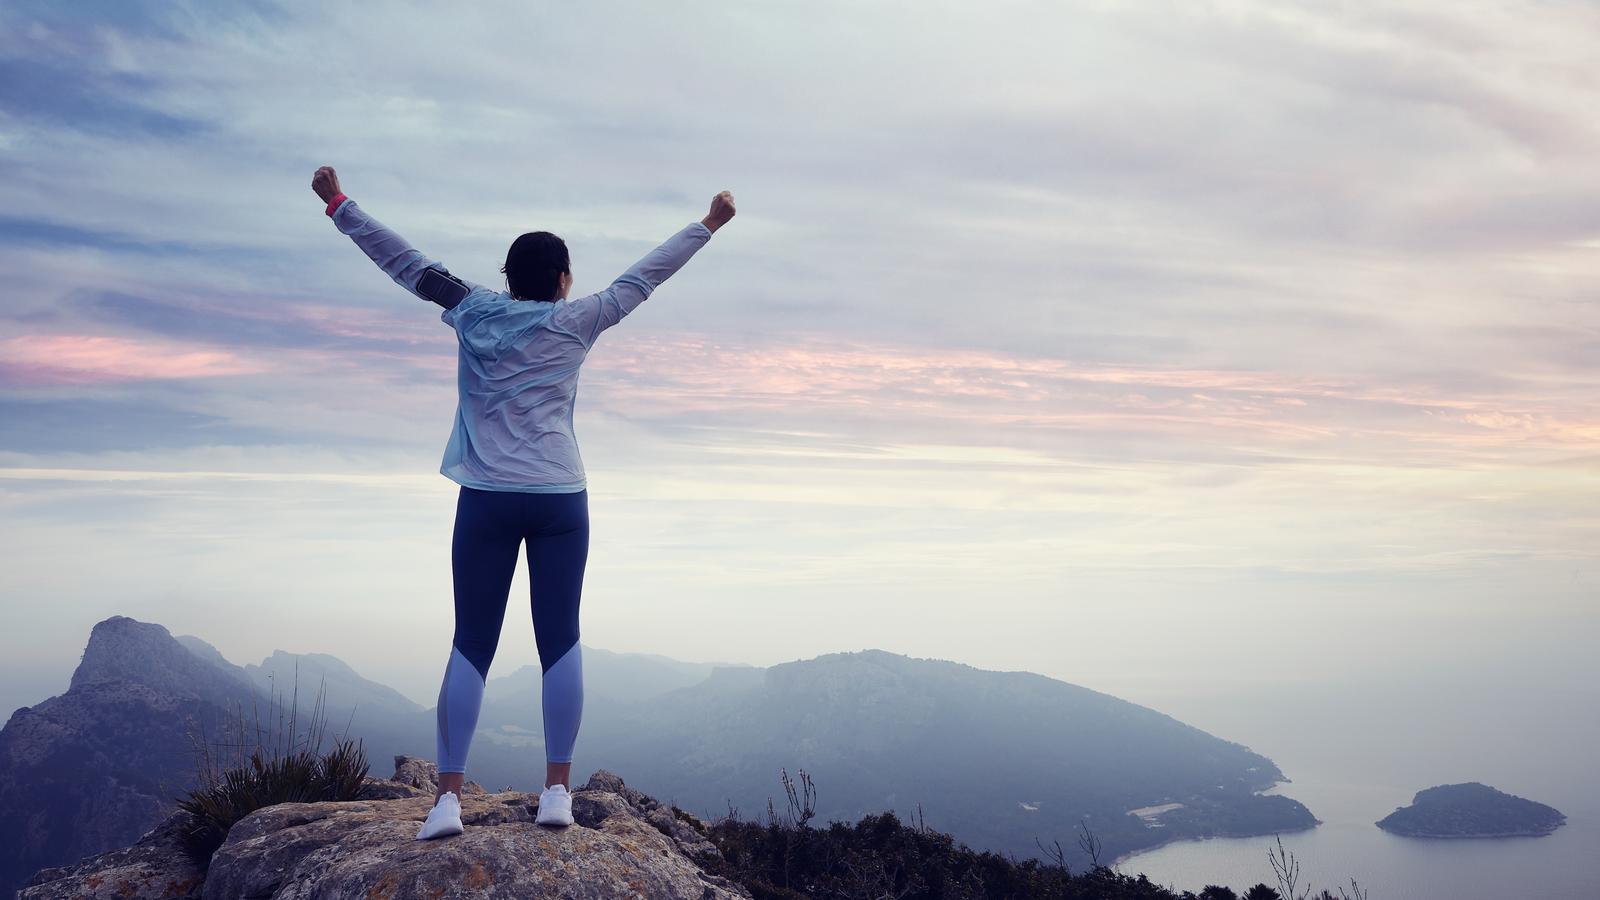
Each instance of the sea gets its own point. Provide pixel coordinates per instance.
(1354, 752)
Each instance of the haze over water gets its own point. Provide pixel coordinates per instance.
(1356, 751)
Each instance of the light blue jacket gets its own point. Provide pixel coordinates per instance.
(519, 359)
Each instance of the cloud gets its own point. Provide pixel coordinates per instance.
(93, 359)
(246, 322)
(64, 95)
(1233, 295)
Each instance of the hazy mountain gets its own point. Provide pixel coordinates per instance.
(94, 767)
(998, 759)
(386, 721)
(205, 651)
(281, 671)
(608, 678)
(633, 676)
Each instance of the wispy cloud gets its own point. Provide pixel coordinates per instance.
(91, 359)
(1044, 301)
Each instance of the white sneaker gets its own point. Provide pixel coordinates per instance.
(555, 806)
(444, 819)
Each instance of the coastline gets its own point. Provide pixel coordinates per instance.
(1268, 788)
(1423, 835)
(1177, 838)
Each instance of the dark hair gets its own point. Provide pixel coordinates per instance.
(534, 265)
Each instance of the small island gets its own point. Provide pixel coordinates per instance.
(1471, 810)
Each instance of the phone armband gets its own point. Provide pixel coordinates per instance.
(441, 287)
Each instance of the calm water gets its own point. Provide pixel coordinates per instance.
(1357, 752)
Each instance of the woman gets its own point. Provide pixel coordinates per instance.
(514, 454)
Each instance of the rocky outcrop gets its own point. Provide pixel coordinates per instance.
(623, 844)
(156, 866)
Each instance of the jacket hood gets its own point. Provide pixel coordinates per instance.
(489, 323)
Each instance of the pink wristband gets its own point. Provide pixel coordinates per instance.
(334, 203)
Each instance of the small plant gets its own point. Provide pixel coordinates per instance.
(1058, 857)
(1356, 893)
(1287, 868)
(803, 807)
(250, 773)
(1089, 844)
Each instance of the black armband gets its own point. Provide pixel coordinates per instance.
(441, 287)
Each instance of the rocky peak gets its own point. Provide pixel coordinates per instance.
(124, 649)
(623, 843)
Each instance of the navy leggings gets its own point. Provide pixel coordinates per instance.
(491, 527)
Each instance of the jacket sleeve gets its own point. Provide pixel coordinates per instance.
(585, 317)
(397, 258)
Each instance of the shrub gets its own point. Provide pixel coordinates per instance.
(284, 769)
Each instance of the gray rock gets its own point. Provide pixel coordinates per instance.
(682, 827)
(155, 866)
(412, 778)
(623, 843)
(419, 773)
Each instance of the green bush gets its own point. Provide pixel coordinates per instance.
(286, 770)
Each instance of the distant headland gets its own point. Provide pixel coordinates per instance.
(1471, 810)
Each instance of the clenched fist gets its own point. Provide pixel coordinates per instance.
(326, 183)
(721, 210)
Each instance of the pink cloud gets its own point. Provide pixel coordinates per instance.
(99, 359)
(816, 379)
(898, 393)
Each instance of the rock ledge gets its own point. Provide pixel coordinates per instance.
(623, 843)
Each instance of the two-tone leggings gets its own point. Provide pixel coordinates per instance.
(491, 527)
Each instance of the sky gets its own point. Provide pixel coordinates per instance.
(1159, 348)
